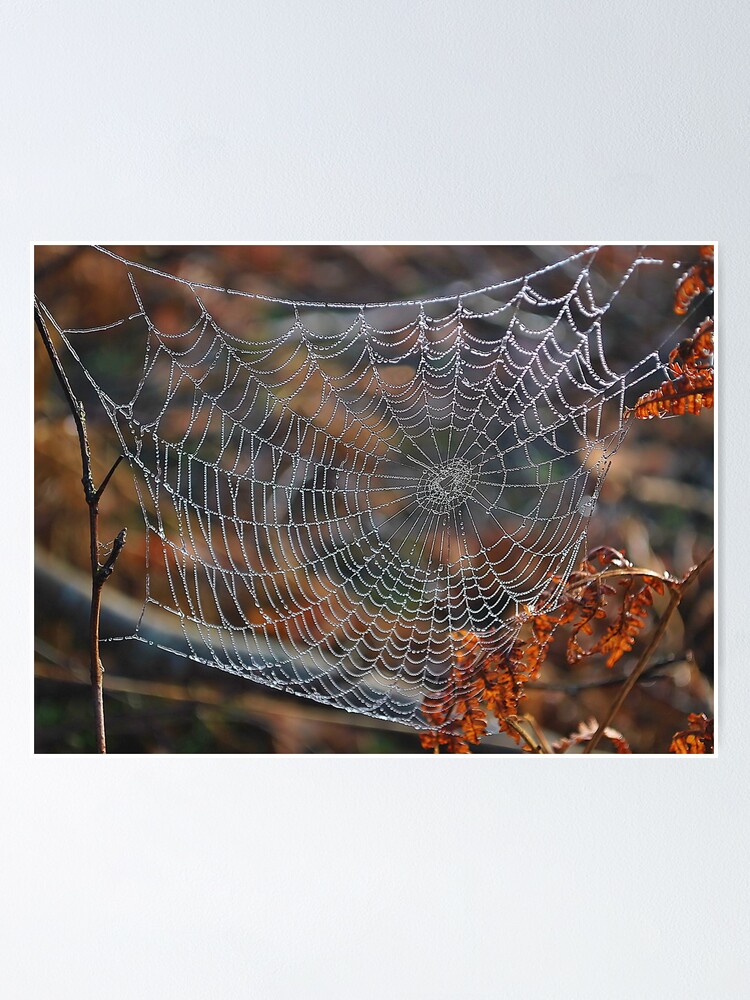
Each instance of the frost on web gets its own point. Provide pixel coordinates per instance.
(333, 493)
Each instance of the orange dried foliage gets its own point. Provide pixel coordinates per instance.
(451, 744)
(692, 387)
(621, 634)
(697, 738)
(585, 732)
(581, 605)
(585, 603)
(695, 281)
(481, 680)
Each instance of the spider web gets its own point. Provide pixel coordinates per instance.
(333, 492)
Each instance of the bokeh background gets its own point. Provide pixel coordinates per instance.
(657, 505)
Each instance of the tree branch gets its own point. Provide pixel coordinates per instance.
(99, 573)
(649, 674)
(514, 721)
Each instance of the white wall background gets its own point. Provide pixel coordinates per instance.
(358, 878)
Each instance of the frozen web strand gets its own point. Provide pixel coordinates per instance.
(331, 496)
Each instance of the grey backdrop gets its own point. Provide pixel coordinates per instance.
(358, 878)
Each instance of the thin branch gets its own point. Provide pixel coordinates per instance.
(515, 724)
(696, 570)
(109, 564)
(76, 407)
(630, 683)
(582, 579)
(675, 598)
(538, 732)
(107, 478)
(648, 675)
(99, 573)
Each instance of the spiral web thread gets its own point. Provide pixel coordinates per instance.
(333, 495)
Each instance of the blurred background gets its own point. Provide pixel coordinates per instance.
(656, 505)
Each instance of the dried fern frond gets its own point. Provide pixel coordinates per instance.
(691, 389)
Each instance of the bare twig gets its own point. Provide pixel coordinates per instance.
(649, 674)
(582, 579)
(107, 478)
(99, 573)
(538, 732)
(677, 590)
(514, 721)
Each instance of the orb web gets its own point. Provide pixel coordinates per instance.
(334, 492)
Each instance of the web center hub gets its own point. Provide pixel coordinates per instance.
(447, 486)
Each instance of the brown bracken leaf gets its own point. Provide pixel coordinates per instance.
(481, 680)
(452, 744)
(691, 387)
(697, 738)
(589, 604)
(694, 282)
